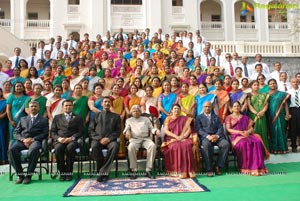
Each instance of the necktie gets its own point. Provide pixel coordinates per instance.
(231, 69)
(32, 61)
(51, 49)
(218, 61)
(296, 99)
(17, 62)
(207, 61)
(285, 89)
(246, 71)
(209, 118)
(68, 117)
(71, 43)
(32, 119)
(42, 54)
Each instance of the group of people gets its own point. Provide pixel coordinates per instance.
(198, 96)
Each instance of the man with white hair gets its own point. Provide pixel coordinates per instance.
(137, 131)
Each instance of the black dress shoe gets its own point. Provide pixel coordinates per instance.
(62, 178)
(100, 178)
(19, 180)
(294, 150)
(104, 178)
(69, 177)
(133, 175)
(218, 171)
(149, 175)
(27, 180)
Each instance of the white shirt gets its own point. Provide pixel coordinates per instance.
(54, 53)
(282, 85)
(195, 51)
(39, 53)
(3, 78)
(13, 60)
(292, 92)
(29, 59)
(73, 43)
(204, 60)
(254, 77)
(249, 69)
(48, 47)
(266, 70)
(226, 66)
(237, 63)
(220, 60)
(275, 75)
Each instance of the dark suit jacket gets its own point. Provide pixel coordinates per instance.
(105, 124)
(62, 128)
(38, 130)
(205, 127)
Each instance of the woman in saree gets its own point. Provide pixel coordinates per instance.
(193, 88)
(165, 101)
(28, 87)
(258, 105)
(67, 92)
(149, 103)
(7, 68)
(278, 114)
(263, 87)
(37, 96)
(245, 85)
(190, 60)
(223, 99)
(237, 95)
(157, 89)
(175, 85)
(80, 103)
(47, 60)
(248, 146)
(141, 92)
(3, 128)
(59, 76)
(203, 97)
(83, 70)
(199, 75)
(109, 81)
(178, 145)
(23, 65)
(47, 74)
(6, 89)
(15, 107)
(85, 88)
(185, 76)
(209, 83)
(118, 107)
(180, 49)
(95, 100)
(227, 83)
(186, 101)
(34, 77)
(132, 98)
(173, 59)
(75, 78)
(54, 104)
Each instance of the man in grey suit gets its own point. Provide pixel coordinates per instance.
(66, 129)
(29, 133)
(104, 130)
(211, 132)
(137, 131)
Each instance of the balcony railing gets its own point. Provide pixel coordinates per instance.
(73, 8)
(38, 23)
(279, 25)
(211, 25)
(245, 25)
(5, 22)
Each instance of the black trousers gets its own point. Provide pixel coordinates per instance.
(294, 125)
(33, 156)
(68, 150)
(104, 163)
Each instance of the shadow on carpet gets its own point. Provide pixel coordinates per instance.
(125, 186)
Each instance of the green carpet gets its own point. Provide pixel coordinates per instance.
(283, 183)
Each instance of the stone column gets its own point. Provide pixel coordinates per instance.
(228, 20)
(262, 24)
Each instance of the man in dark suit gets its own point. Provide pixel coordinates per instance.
(29, 133)
(65, 130)
(104, 130)
(211, 132)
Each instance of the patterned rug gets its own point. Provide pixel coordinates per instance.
(125, 186)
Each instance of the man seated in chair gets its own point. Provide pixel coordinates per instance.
(66, 129)
(211, 132)
(137, 131)
(104, 130)
(29, 133)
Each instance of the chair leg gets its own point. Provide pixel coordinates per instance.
(117, 167)
(10, 173)
(40, 173)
